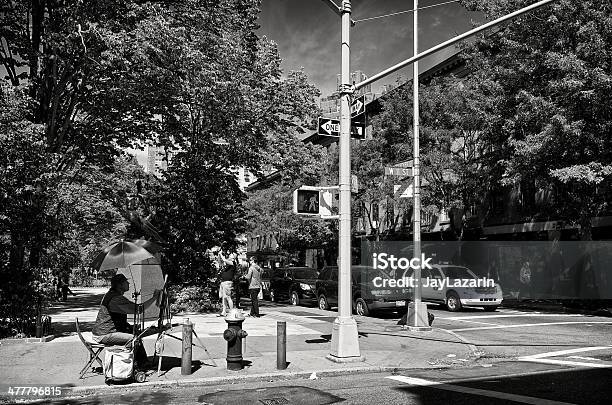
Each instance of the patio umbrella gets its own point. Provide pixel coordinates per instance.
(123, 253)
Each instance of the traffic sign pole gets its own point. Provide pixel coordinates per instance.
(417, 311)
(344, 342)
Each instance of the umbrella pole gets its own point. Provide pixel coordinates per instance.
(135, 294)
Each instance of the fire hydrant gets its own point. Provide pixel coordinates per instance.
(234, 335)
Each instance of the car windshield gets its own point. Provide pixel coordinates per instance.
(457, 273)
(305, 273)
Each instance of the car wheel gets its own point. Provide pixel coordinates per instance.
(490, 308)
(361, 308)
(453, 303)
(273, 297)
(323, 304)
(294, 299)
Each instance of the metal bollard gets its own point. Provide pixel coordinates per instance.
(281, 345)
(186, 352)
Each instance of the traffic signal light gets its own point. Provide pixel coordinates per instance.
(306, 201)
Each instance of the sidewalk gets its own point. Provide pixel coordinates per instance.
(385, 348)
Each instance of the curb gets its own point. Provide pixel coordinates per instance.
(14, 341)
(213, 381)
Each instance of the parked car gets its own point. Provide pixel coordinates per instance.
(296, 284)
(457, 297)
(366, 296)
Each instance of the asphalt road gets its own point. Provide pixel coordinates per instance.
(505, 383)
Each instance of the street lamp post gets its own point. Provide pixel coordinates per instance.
(417, 310)
(344, 342)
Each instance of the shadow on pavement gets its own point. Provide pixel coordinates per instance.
(85, 300)
(168, 363)
(587, 386)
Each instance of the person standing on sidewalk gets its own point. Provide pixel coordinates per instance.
(254, 278)
(228, 273)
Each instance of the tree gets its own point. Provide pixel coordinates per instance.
(190, 76)
(270, 210)
(216, 98)
(25, 165)
(552, 71)
(457, 161)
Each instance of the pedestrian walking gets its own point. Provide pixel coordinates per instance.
(253, 276)
(64, 288)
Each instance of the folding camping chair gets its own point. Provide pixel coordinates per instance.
(94, 350)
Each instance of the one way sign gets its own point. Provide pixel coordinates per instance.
(331, 127)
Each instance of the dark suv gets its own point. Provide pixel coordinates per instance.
(366, 296)
(296, 284)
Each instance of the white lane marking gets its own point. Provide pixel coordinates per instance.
(475, 391)
(525, 325)
(565, 363)
(481, 323)
(544, 358)
(584, 358)
(538, 314)
(568, 351)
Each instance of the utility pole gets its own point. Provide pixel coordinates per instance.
(417, 311)
(344, 342)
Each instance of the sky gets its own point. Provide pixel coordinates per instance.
(307, 33)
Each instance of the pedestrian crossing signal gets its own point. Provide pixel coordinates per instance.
(306, 201)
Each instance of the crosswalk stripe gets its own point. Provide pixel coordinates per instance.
(517, 315)
(544, 358)
(475, 391)
(565, 362)
(525, 325)
(569, 351)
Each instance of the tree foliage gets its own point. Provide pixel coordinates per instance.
(533, 116)
(552, 71)
(190, 76)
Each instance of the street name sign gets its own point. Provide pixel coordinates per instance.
(398, 171)
(331, 127)
(358, 106)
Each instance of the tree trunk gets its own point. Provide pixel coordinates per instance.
(38, 15)
(17, 254)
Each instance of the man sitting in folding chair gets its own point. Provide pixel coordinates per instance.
(112, 327)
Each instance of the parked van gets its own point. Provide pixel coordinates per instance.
(366, 297)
